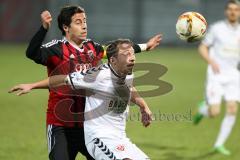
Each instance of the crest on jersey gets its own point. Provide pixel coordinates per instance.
(120, 147)
(90, 55)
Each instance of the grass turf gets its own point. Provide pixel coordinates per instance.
(22, 119)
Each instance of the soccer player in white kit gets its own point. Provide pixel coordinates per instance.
(109, 89)
(221, 50)
(107, 108)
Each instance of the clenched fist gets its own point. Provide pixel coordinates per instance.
(46, 19)
(146, 116)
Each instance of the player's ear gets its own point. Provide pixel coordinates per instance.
(112, 60)
(65, 28)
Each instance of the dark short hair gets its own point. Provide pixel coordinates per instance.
(65, 16)
(113, 47)
(231, 2)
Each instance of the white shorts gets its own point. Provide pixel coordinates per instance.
(114, 149)
(220, 87)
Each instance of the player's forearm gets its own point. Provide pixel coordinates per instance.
(137, 99)
(33, 49)
(57, 80)
(204, 52)
(51, 82)
(41, 84)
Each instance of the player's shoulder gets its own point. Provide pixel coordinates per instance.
(129, 79)
(218, 24)
(87, 41)
(94, 74)
(90, 41)
(54, 42)
(104, 69)
(130, 76)
(101, 70)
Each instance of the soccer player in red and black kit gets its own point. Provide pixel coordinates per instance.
(64, 130)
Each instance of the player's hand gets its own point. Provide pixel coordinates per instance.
(146, 116)
(46, 19)
(21, 89)
(215, 67)
(154, 42)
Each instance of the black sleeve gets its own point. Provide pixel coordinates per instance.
(136, 48)
(34, 50)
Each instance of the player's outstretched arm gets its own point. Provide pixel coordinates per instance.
(51, 82)
(34, 50)
(151, 44)
(145, 111)
(76, 80)
(21, 89)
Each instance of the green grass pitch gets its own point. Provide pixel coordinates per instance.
(22, 119)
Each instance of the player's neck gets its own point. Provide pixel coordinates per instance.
(77, 43)
(233, 23)
(116, 71)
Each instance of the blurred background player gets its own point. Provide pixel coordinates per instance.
(65, 135)
(221, 50)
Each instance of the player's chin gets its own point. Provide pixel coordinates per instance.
(83, 38)
(130, 71)
(234, 19)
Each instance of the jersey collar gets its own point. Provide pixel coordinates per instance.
(232, 26)
(75, 46)
(115, 73)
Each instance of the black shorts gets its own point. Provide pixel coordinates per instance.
(64, 143)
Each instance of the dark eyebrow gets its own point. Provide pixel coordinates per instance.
(78, 19)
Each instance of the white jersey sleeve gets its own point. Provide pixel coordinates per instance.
(210, 37)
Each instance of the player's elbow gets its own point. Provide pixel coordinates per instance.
(30, 53)
(200, 47)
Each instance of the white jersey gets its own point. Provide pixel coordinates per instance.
(223, 39)
(107, 101)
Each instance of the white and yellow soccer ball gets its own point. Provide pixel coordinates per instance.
(191, 26)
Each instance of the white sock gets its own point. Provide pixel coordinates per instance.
(225, 130)
(204, 109)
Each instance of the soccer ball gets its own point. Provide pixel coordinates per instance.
(191, 26)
